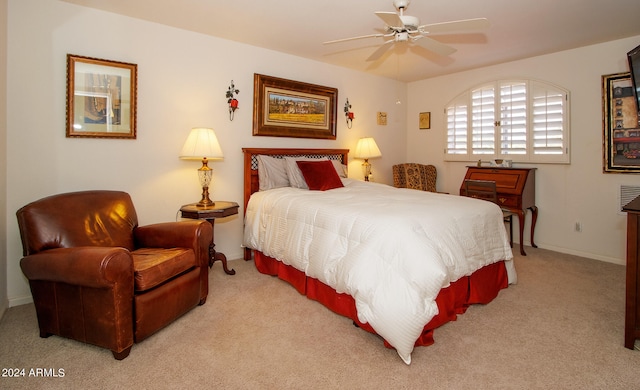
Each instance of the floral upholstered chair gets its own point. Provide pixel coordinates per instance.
(415, 176)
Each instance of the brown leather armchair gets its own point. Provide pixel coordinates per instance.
(99, 278)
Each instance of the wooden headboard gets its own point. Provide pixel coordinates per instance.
(251, 183)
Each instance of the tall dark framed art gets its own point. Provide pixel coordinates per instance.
(621, 134)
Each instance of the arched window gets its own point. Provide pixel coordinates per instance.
(520, 120)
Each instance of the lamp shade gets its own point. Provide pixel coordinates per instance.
(367, 148)
(202, 143)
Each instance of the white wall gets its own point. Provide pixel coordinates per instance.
(4, 303)
(564, 193)
(182, 80)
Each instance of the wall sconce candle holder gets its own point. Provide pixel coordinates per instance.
(348, 114)
(231, 100)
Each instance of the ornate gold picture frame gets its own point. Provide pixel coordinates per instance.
(101, 98)
(286, 108)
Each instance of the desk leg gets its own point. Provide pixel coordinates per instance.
(218, 256)
(534, 214)
(521, 215)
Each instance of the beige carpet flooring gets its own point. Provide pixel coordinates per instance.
(560, 327)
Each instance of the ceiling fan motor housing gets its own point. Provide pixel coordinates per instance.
(401, 4)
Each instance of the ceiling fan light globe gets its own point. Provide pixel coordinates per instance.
(402, 37)
(411, 23)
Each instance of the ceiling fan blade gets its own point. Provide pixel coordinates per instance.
(354, 38)
(391, 19)
(380, 51)
(457, 25)
(434, 46)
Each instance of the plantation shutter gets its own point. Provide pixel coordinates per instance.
(482, 120)
(513, 118)
(548, 120)
(457, 129)
(520, 120)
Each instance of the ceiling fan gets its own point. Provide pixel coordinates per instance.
(404, 28)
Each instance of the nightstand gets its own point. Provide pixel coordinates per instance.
(219, 209)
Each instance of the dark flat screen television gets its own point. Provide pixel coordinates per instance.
(634, 67)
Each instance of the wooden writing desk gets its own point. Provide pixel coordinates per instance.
(516, 192)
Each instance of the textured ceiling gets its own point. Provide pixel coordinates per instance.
(519, 28)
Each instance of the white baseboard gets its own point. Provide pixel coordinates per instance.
(235, 256)
(20, 300)
(606, 259)
(3, 308)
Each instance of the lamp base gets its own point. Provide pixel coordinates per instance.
(205, 201)
(366, 169)
(204, 175)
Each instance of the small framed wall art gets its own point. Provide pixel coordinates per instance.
(425, 120)
(101, 98)
(382, 118)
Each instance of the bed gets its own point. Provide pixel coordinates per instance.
(398, 262)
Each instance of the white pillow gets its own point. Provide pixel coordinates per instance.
(296, 179)
(272, 172)
(340, 168)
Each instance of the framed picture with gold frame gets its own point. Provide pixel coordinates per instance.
(425, 120)
(381, 118)
(621, 131)
(286, 108)
(101, 98)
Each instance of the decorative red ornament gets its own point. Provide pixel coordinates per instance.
(348, 114)
(232, 101)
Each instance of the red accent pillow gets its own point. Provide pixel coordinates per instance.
(320, 175)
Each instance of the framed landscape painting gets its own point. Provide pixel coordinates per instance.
(286, 108)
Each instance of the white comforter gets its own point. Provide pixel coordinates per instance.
(391, 249)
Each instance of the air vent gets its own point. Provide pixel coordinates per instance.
(627, 194)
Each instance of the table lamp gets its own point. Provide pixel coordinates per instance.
(366, 149)
(202, 144)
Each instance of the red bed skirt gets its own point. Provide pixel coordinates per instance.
(481, 287)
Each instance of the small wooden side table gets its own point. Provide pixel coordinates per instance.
(219, 209)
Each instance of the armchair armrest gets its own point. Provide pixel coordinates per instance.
(96, 267)
(196, 234)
